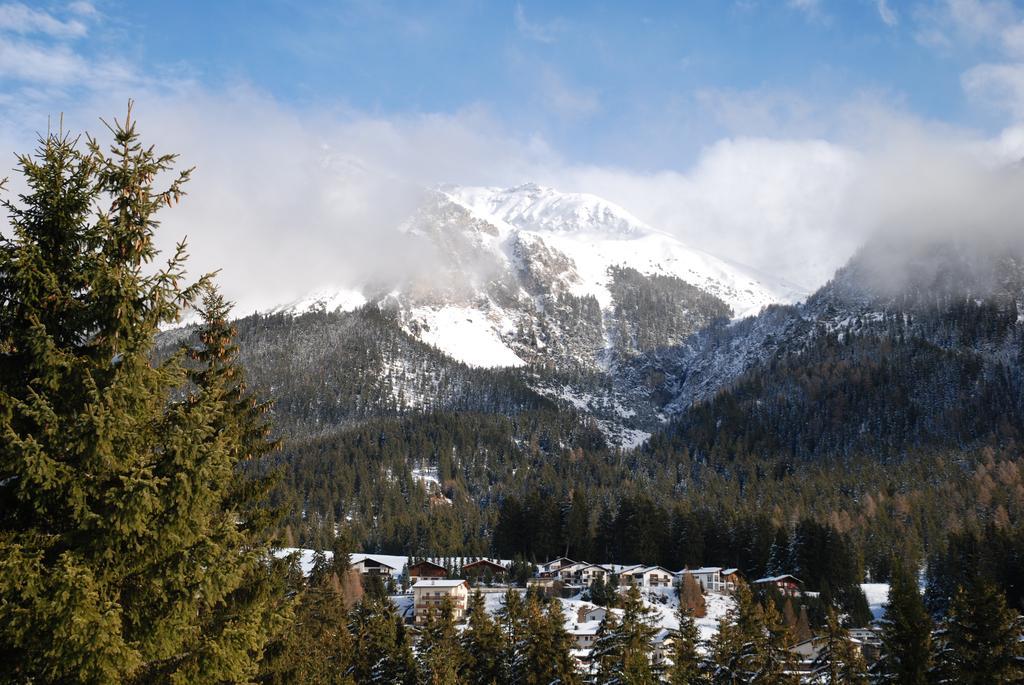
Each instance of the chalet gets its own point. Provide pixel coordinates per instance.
(588, 573)
(429, 595)
(554, 565)
(708, 577)
(731, 579)
(368, 566)
(584, 634)
(656, 576)
(569, 572)
(870, 641)
(426, 570)
(598, 614)
(786, 584)
(481, 567)
(806, 652)
(631, 575)
(661, 647)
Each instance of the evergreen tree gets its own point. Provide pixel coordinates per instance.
(439, 653)
(317, 647)
(623, 649)
(483, 645)
(839, 662)
(547, 644)
(638, 632)
(802, 630)
(774, 664)
(906, 633)
(752, 644)
(598, 592)
(607, 654)
(382, 650)
(127, 541)
(687, 663)
(512, 622)
(979, 642)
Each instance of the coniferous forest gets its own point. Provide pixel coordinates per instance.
(154, 476)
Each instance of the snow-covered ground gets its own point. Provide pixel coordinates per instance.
(878, 596)
(427, 475)
(662, 600)
(466, 334)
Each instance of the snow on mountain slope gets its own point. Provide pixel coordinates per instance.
(598, 235)
(466, 334)
(327, 298)
(530, 207)
(528, 275)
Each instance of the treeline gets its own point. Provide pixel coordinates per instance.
(331, 370)
(542, 484)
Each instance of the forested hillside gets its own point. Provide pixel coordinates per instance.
(875, 413)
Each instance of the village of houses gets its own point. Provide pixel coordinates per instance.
(422, 586)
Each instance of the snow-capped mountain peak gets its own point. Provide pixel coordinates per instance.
(532, 207)
(532, 275)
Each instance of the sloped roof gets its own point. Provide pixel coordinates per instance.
(455, 582)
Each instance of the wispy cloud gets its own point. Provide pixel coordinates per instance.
(83, 9)
(19, 18)
(540, 32)
(567, 101)
(887, 13)
(994, 25)
(812, 9)
(998, 85)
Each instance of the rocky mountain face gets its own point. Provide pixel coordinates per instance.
(532, 276)
(572, 290)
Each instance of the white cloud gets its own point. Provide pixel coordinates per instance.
(19, 18)
(775, 205)
(967, 21)
(568, 101)
(887, 13)
(998, 85)
(1013, 40)
(542, 33)
(39, 64)
(83, 9)
(812, 9)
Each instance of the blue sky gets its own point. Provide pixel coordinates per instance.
(633, 84)
(740, 125)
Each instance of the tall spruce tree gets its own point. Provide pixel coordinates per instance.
(382, 650)
(317, 647)
(483, 645)
(512, 622)
(906, 633)
(439, 653)
(980, 640)
(606, 656)
(123, 549)
(687, 666)
(752, 644)
(839, 661)
(547, 646)
(623, 648)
